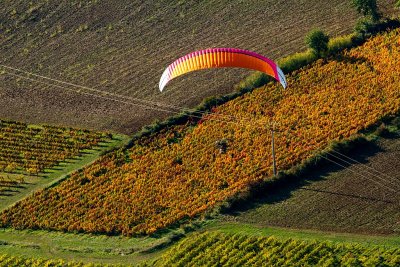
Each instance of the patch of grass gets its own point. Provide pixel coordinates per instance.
(297, 61)
(81, 247)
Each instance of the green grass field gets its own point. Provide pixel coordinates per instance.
(78, 247)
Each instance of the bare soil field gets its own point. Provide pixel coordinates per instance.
(357, 198)
(123, 47)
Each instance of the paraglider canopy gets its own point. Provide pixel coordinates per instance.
(221, 58)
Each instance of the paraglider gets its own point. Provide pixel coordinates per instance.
(221, 58)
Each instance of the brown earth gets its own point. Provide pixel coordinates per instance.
(361, 198)
(123, 47)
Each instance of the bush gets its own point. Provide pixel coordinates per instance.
(296, 61)
(364, 27)
(317, 41)
(382, 130)
(254, 80)
(339, 43)
(396, 122)
(367, 8)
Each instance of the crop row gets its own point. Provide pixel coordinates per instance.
(32, 149)
(180, 172)
(218, 249)
(17, 261)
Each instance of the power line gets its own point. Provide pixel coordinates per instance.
(181, 109)
(389, 188)
(86, 93)
(356, 161)
(364, 170)
(106, 95)
(158, 104)
(243, 122)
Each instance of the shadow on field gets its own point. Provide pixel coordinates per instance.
(8, 192)
(282, 188)
(6, 195)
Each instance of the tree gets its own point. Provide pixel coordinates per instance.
(317, 40)
(367, 8)
(398, 4)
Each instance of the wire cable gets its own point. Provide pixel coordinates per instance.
(243, 122)
(378, 183)
(160, 107)
(365, 170)
(158, 104)
(369, 167)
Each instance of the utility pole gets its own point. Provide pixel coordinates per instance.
(273, 149)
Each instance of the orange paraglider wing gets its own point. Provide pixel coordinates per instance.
(220, 58)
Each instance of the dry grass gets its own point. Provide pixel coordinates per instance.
(123, 47)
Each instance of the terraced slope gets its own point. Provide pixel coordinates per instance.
(123, 47)
(179, 172)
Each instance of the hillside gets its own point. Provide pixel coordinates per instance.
(179, 173)
(124, 46)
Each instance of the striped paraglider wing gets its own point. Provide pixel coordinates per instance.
(221, 58)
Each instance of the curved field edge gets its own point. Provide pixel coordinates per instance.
(179, 172)
(224, 249)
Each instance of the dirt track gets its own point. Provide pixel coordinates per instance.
(123, 47)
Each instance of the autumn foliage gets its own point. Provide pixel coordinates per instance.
(31, 149)
(179, 172)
